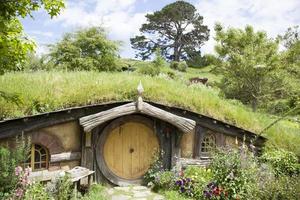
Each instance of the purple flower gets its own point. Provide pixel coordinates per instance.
(179, 182)
(182, 189)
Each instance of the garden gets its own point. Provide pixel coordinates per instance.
(234, 173)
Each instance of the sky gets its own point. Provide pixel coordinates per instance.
(123, 18)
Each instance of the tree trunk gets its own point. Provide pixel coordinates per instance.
(176, 53)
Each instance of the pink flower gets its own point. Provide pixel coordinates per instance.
(18, 170)
(19, 192)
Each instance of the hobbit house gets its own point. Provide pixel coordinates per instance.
(117, 140)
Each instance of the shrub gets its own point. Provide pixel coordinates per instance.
(283, 162)
(180, 66)
(150, 70)
(281, 188)
(158, 61)
(61, 188)
(235, 171)
(174, 195)
(200, 178)
(96, 192)
(9, 160)
(36, 191)
(164, 180)
(154, 169)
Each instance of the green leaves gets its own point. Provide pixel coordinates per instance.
(249, 61)
(177, 30)
(86, 49)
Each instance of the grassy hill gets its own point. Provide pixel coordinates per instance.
(48, 91)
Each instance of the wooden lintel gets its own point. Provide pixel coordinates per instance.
(89, 122)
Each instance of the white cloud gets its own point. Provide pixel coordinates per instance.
(122, 21)
(273, 16)
(116, 16)
(41, 33)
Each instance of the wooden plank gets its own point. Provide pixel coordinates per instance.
(65, 156)
(92, 121)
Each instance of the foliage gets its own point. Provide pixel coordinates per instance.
(36, 191)
(85, 49)
(235, 171)
(96, 192)
(155, 67)
(155, 167)
(61, 188)
(203, 61)
(158, 61)
(200, 177)
(150, 70)
(14, 44)
(9, 160)
(213, 191)
(164, 180)
(23, 8)
(174, 195)
(180, 66)
(249, 67)
(177, 29)
(185, 186)
(290, 68)
(282, 188)
(22, 183)
(283, 162)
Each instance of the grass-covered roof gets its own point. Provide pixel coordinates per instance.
(49, 91)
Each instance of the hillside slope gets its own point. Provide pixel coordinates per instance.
(48, 91)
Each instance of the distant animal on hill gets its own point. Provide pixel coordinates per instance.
(197, 80)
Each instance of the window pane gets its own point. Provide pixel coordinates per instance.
(37, 156)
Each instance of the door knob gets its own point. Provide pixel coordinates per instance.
(131, 150)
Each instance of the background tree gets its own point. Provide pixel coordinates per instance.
(85, 49)
(250, 60)
(14, 44)
(290, 67)
(177, 30)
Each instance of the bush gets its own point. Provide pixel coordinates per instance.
(235, 171)
(283, 162)
(158, 61)
(282, 188)
(61, 188)
(150, 70)
(96, 192)
(36, 191)
(154, 169)
(9, 160)
(164, 180)
(180, 66)
(200, 178)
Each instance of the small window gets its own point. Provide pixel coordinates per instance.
(38, 158)
(208, 143)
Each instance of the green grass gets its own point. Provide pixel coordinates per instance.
(96, 192)
(48, 91)
(173, 195)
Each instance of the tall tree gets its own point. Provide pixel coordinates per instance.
(249, 67)
(14, 44)
(85, 49)
(177, 30)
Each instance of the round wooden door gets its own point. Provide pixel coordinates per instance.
(128, 150)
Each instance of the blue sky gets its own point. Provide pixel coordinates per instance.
(122, 18)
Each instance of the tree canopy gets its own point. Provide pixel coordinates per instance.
(177, 30)
(14, 44)
(85, 49)
(249, 67)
